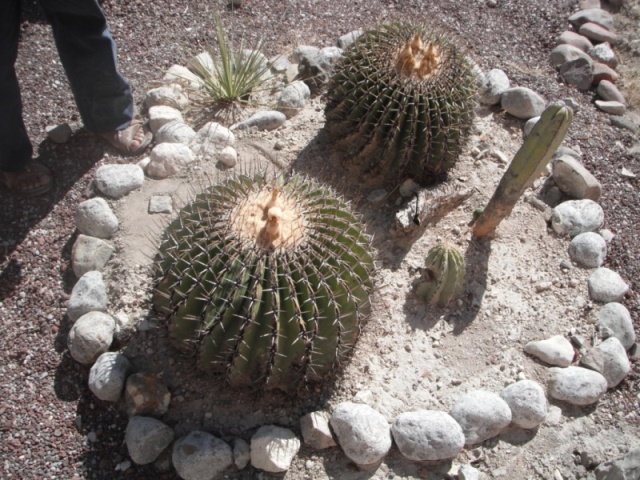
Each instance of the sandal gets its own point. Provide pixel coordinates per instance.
(124, 140)
(33, 180)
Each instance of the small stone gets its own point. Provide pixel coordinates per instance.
(89, 294)
(576, 385)
(597, 33)
(117, 180)
(578, 72)
(160, 204)
(481, 414)
(201, 456)
(616, 364)
(175, 132)
(528, 126)
(625, 467)
(161, 115)
(556, 350)
(315, 430)
(623, 122)
(611, 107)
(427, 435)
(500, 156)
(467, 472)
(107, 376)
(146, 438)
(592, 15)
(577, 216)
(377, 197)
(626, 173)
(607, 234)
(146, 395)
(617, 318)
(241, 453)
(588, 250)
(527, 402)
(606, 286)
(408, 188)
(91, 336)
(95, 218)
(168, 159)
(575, 40)
(345, 41)
(293, 98)
(169, 96)
(602, 72)
(183, 76)
(273, 448)
(522, 103)
(496, 82)
(228, 156)
(89, 253)
(604, 54)
(567, 53)
(265, 120)
(59, 133)
(608, 91)
(554, 417)
(574, 179)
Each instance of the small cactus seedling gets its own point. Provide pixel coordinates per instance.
(400, 104)
(444, 275)
(265, 281)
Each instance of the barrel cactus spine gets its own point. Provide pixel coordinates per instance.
(444, 275)
(400, 104)
(265, 281)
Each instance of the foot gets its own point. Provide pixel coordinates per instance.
(131, 140)
(35, 179)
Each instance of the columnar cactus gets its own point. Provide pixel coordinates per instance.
(444, 275)
(265, 281)
(400, 104)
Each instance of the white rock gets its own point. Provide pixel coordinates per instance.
(303, 51)
(202, 61)
(522, 103)
(265, 120)
(273, 448)
(496, 82)
(362, 432)
(161, 115)
(91, 336)
(576, 385)
(611, 107)
(529, 124)
(481, 414)
(59, 133)
(604, 54)
(175, 132)
(574, 179)
(315, 430)
(89, 294)
(201, 456)
(606, 286)
(527, 402)
(160, 204)
(108, 375)
(588, 250)
(427, 435)
(146, 438)
(556, 350)
(183, 76)
(279, 64)
(616, 363)
(467, 472)
(168, 159)
(241, 453)
(169, 96)
(95, 218)
(116, 181)
(212, 138)
(327, 57)
(566, 53)
(346, 40)
(617, 319)
(577, 216)
(89, 253)
(293, 98)
(228, 156)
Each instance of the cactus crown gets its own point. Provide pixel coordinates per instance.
(418, 59)
(444, 275)
(265, 282)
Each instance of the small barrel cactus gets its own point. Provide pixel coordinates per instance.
(444, 275)
(400, 104)
(265, 281)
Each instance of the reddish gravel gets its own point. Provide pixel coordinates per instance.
(48, 418)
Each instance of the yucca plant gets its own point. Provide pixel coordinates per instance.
(443, 275)
(265, 281)
(400, 104)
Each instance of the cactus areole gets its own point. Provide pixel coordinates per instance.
(265, 281)
(400, 105)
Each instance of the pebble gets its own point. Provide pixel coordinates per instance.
(554, 417)
(578, 72)
(160, 204)
(467, 472)
(183, 76)
(617, 319)
(576, 385)
(575, 40)
(522, 102)
(496, 82)
(168, 95)
(527, 402)
(315, 430)
(362, 432)
(597, 33)
(606, 286)
(228, 156)
(592, 15)
(616, 364)
(566, 53)
(95, 218)
(168, 159)
(59, 133)
(608, 91)
(241, 453)
(175, 132)
(556, 350)
(89, 294)
(212, 138)
(612, 107)
(481, 414)
(108, 375)
(623, 122)
(91, 336)
(146, 438)
(116, 181)
(346, 40)
(377, 196)
(625, 467)
(273, 448)
(577, 216)
(293, 98)
(574, 180)
(146, 395)
(201, 456)
(602, 72)
(161, 115)
(89, 253)
(427, 435)
(604, 54)
(588, 250)
(265, 120)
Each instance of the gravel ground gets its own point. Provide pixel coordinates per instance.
(50, 424)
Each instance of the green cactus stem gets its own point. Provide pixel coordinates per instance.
(443, 276)
(529, 162)
(265, 282)
(400, 105)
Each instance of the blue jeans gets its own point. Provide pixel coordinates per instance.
(88, 54)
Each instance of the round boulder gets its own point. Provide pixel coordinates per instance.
(201, 456)
(481, 414)
(527, 402)
(427, 435)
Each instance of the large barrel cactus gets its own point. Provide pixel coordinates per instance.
(265, 281)
(400, 104)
